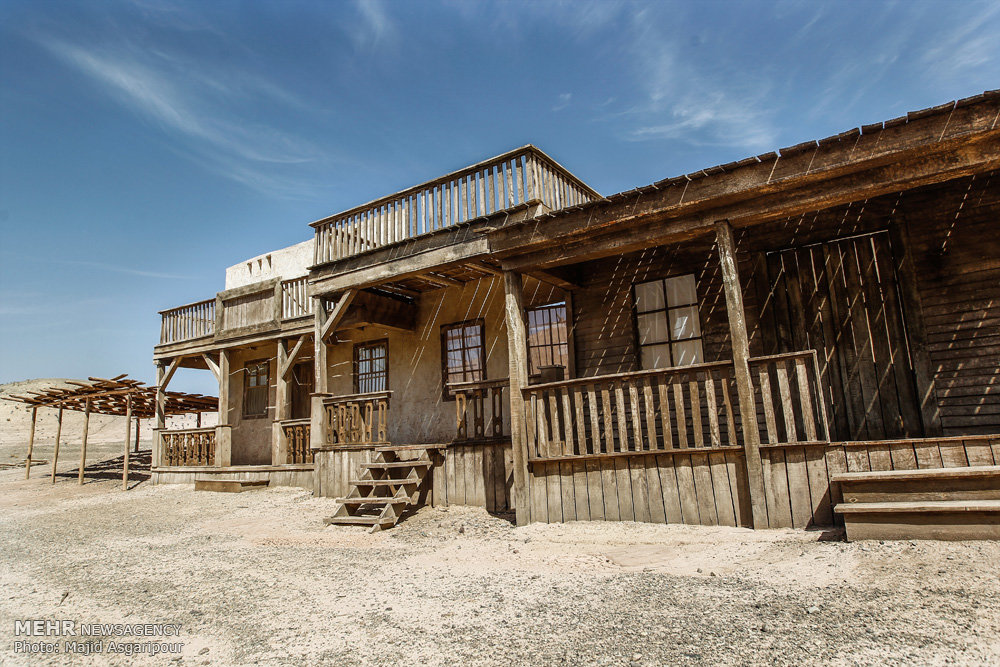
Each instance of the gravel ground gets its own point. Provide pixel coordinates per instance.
(256, 578)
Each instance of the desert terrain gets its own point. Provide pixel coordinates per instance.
(256, 578)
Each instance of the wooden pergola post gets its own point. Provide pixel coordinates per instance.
(128, 437)
(31, 443)
(83, 448)
(741, 370)
(137, 421)
(55, 454)
(517, 356)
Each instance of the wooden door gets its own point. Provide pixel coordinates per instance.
(841, 298)
(302, 387)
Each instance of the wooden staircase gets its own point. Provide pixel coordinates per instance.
(387, 487)
(930, 504)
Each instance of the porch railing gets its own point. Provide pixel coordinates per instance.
(502, 183)
(675, 408)
(186, 322)
(791, 407)
(188, 447)
(690, 406)
(296, 435)
(357, 419)
(295, 301)
(479, 410)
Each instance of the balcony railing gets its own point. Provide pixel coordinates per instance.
(188, 447)
(675, 408)
(254, 308)
(296, 435)
(186, 322)
(500, 184)
(479, 410)
(357, 419)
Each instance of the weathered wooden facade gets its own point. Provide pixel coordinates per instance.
(715, 348)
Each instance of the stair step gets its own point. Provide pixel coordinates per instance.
(383, 500)
(925, 506)
(415, 463)
(385, 482)
(357, 520)
(924, 473)
(927, 520)
(409, 448)
(229, 485)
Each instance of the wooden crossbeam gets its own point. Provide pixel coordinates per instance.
(338, 313)
(212, 366)
(286, 370)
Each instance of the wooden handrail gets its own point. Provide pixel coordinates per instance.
(486, 188)
(597, 379)
(357, 419)
(479, 404)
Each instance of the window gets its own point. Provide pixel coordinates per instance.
(256, 378)
(463, 353)
(667, 322)
(548, 340)
(371, 366)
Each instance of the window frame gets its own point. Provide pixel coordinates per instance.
(266, 386)
(567, 344)
(670, 341)
(445, 328)
(369, 344)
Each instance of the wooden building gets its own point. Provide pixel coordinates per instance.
(726, 347)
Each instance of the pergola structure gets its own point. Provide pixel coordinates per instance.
(117, 396)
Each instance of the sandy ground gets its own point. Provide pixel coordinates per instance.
(256, 578)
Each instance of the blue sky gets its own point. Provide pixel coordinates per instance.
(145, 146)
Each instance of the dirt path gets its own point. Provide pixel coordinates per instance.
(254, 577)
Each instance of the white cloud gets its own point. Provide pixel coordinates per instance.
(562, 101)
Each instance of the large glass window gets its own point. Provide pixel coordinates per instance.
(256, 378)
(463, 352)
(668, 322)
(548, 337)
(371, 366)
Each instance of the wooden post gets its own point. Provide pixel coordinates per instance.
(128, 436)
(31, 442)
(321, 382)
(741, 370)
(223, 431)
(137, 423)
(161, 415)
(282, 408)
(55, 454)
(517, 355)
(83, 447)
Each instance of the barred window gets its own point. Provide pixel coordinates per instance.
(463, 353)
(548, 337)
(371, 366)
(668, 323)
(256, 379)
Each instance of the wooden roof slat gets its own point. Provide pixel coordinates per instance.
(110, 396)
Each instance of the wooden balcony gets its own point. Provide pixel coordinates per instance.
(255, 308)
(501, 184)
(683, 408)
(296, 435)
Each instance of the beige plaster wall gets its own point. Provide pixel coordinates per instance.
(286, 263)
(418, 413)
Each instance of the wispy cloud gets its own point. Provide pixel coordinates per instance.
(200, 106)
(374, 27)
(562, 101)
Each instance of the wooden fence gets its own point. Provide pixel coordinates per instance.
(480, 405)
(502, 183)
(357, 419)
(188, 447)
(295, 301)
(186, 322)
(296, 435)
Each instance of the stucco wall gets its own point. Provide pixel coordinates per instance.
(286, 263)
(417, 412)
(251, 436)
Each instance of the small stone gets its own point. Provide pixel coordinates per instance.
(461, 529)
(812, 610)
(636, 656)
(764, 627)
(698, 570)
(203, 651)
(712, 574)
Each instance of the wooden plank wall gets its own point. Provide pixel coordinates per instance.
(477, 475)
(709, 487)
(706, 487)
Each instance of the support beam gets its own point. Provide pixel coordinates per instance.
(285, 367)
(224, 356)
(161, 414)
(553, 277)
(31, 443)
(83, 446)
(174, 364)
(128, 437)
(331, 322)
(55, 454)
(212, 366)
(517, 354)
(741, 371)
(321, 383)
